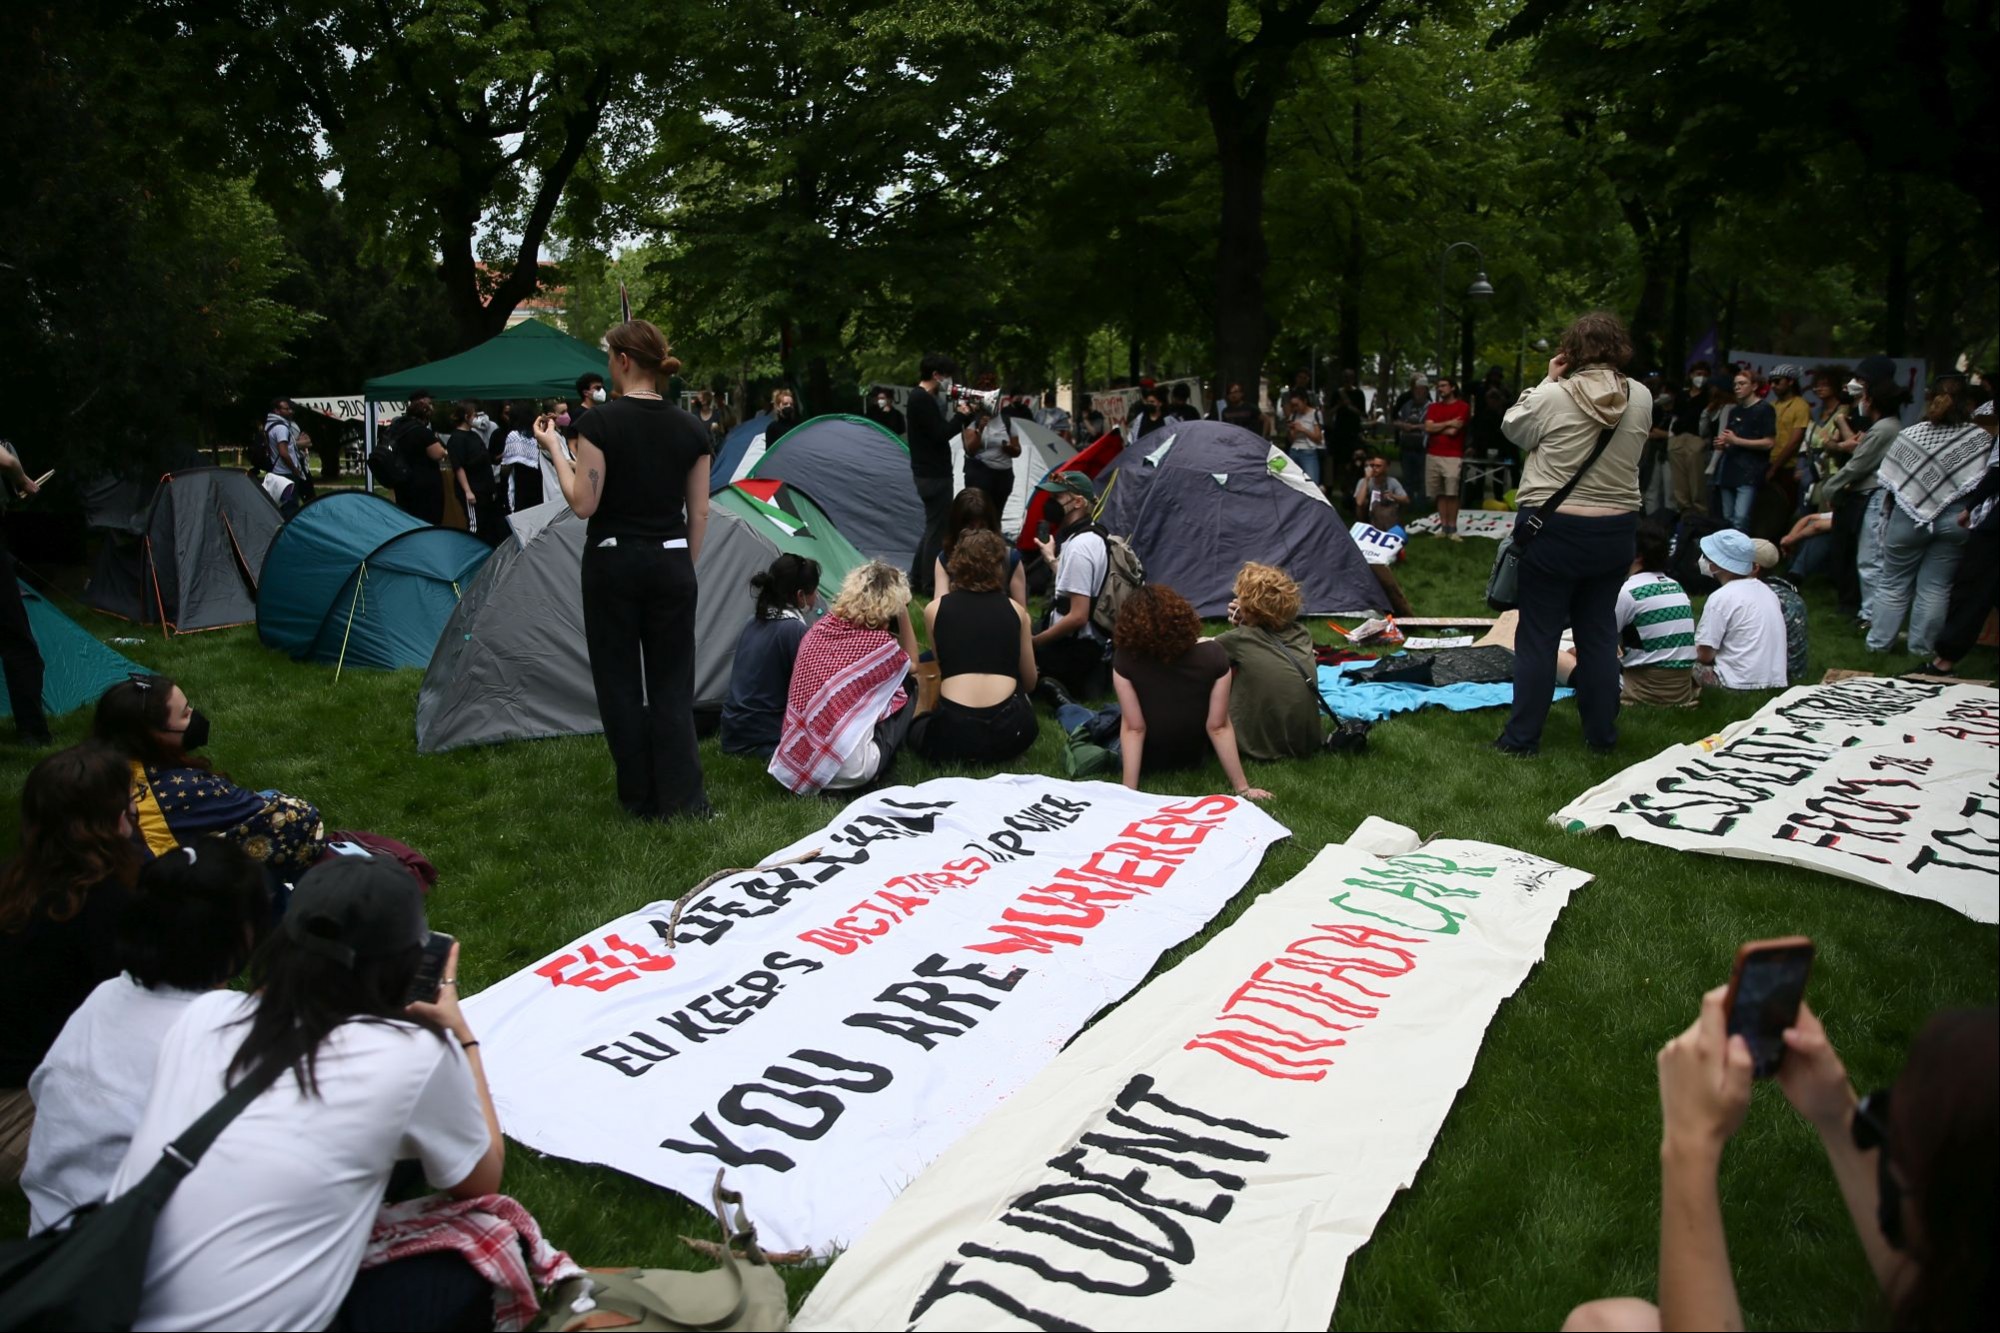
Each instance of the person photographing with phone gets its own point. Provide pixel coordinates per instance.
(1915, 1163)
(640, 480)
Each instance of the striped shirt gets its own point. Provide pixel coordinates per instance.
(1657, 609)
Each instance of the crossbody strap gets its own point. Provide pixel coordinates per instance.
(1277, 646)
(185, 1151)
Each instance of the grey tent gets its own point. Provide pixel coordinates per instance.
(860, 474)
(190, 557)
(1199, 500)
(511, 663)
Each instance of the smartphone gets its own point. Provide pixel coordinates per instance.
(1765, 988)
(424, 986)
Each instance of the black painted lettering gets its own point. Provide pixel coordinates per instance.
(720, 1147)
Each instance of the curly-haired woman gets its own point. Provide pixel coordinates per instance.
(1173, 692)
(61, 899)
(1273, 702)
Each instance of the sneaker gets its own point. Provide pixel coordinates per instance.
(1454, 537)
(1051, 692)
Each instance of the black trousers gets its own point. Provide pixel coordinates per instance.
(1570, 576)
(935, 493)
(638, 622)
(1850, 510)
(422, 499)
(955, 732)
(1975, 590)
(1074, 661)
(20, 654)
(996, 482)
(425, 1293)
(489, 518)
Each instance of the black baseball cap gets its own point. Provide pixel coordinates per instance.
(355, 907)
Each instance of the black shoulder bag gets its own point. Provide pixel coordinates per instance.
(92, 1273)
(1503, 585)
(1348, 735)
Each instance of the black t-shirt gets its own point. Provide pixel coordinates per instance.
(414, 437)
(648, 446)
(1688, 405)
(466, 450)
(1173, 697)
(1243, 414)
(754, 713)
(47, 969)
(932, 435)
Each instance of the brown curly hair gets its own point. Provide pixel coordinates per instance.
(70, 836)
(1158, 623)
(1597, 339)
(978, 562)
(1266, 596)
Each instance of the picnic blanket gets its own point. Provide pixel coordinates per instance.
(1371, 702)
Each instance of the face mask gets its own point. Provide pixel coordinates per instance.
(482, 420)
(562, 422)
(881, 402)
(597, 395)
(1699, 381)
(1707, 569)
(196, 733)
(944, 383)
(1855, 388)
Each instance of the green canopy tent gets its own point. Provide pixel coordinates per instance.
(530, 360)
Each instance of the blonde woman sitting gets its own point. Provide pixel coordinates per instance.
(851, 703)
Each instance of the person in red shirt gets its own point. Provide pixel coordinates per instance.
(1445, 422)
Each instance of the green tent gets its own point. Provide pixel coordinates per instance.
(79, 668)
(530, 360)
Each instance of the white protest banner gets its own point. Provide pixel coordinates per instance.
(1377, 547)
(824, 1030)
(1492, 523)
(1889, 782)
(1210, 1154)
(351, 408)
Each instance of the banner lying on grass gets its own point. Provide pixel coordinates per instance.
(1890, 782)
(1210, 1154)
(824, 1030)
(1471, 523)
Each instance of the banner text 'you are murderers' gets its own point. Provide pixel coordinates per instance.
(1211, 1153)
(823, 1030)
(1894, 783)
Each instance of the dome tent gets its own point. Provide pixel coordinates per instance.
(353, 580)
(77, 668)
(190, 557)
(860, 475)
(741, 448)
(1199, 500)
(511, 663)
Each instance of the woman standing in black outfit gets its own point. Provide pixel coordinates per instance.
(641, 479)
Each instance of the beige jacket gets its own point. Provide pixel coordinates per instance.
(1557, 424)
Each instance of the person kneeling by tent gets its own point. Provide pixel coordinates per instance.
(753, 716)
(852, 697)
(1740, 643)
(180, 797)
(1173, 695)
(1274, 700)
(985, 658)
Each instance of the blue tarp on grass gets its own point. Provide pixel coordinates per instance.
(1370, 702)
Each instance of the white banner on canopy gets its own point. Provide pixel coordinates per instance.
(824, 1030)
(1210, 1154)
(1471, 523)
(351, 408)
(1889, 782)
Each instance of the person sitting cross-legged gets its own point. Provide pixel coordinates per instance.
(985, 658)
(852, 697)
(1173, 693)
(1273, 700)
(760, 677)
(1740, 642)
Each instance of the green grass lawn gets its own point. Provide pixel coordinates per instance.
(1542, 1188)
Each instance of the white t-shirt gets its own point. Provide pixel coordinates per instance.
(90, 1090)
(1080, 569)
(267, 1231)
(1744, 624)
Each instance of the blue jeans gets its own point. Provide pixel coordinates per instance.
(1737, 502)
(1868, 554)
(1308, 461)
(1919, 561)
(1100, 721)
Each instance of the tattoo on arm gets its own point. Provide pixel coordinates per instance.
(593, 483)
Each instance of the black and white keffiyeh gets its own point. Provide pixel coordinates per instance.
(1930, 465)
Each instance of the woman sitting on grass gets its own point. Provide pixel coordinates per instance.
(985, 657)
(270, 1231)
(192, 924)
(61, 899)
(1274, 699)
(852, 698)
(178, 795)
(972, 511)
(1173, 693)
(1916, 1165)
(753, 716)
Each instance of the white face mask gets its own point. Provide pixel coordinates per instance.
(482, 420)
(1855, 388)
(1699, 380)
(944, 383)
(598, 395)
(1707, 569)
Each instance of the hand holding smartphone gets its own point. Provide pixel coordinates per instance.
(428, 981)
(1765, 988)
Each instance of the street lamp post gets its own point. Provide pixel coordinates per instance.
(1480, 290)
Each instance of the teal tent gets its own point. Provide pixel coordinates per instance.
(79, 668)
(353, 579)
(530, 360)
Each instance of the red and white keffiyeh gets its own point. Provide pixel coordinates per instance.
(846, 679)
(495, 1235)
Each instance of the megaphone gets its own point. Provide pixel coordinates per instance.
(986, 399)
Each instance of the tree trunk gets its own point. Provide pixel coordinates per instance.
(1895, 331)
(1655, 267)
(1242, 322)
(1677, 320)
(1728, 339)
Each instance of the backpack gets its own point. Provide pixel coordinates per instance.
(388, 465)
(1793, 606)
(258, 451)
(1124, 574)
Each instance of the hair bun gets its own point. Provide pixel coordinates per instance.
(670, 366)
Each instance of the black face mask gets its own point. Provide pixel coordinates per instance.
(195, 735)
